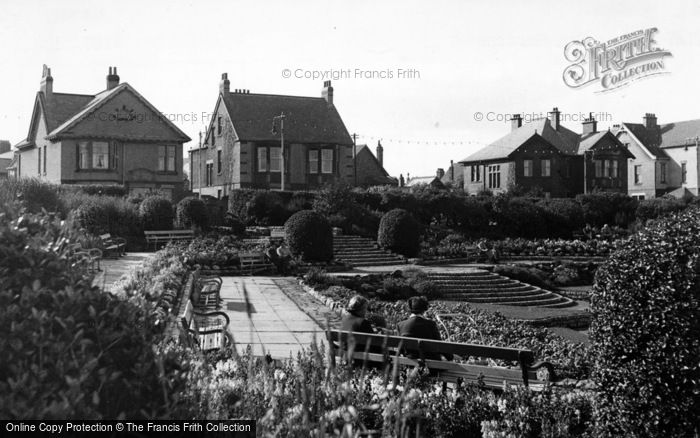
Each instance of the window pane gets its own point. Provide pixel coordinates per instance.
(327, 161)
(275, 159)
(262, 159)
(546, 169)
(84, 161)
(313, 161)
(527, 168)
(100, 155)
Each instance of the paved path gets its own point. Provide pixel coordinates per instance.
(113, 269)
(276, 324)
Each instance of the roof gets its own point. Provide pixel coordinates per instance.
(5, 146)
(101, 98)
(680, 133)
(7, 155)
(63, 106)
(563, 139)
(649, 140)
(420, 180)
(458, 174)
(363, 148)
(307, 119)
(681, 193)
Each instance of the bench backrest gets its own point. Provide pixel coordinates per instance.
(187, 317)
(105, 236)
(169, 233)
(429, 346)
(251, 256)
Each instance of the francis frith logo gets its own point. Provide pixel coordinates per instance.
(616, 62)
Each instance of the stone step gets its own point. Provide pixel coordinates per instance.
(465, 276)
(568, 302)
(499, 294)
(539, 303)
(506, 287)
(467, 283)
(379, 263)
(364, 251)
(373, 259)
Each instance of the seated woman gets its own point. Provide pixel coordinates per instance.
(417, 326)
(354, 316)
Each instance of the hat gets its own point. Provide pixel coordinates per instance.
(357, 303)
(418, 304)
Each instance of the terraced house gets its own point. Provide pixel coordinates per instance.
(113, 137)
(242, 147)
(545, 156)
(666, 157)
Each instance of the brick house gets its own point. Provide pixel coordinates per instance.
(543, 155)
(370, 168)
(666, 156)
(242, 145)
(113, 137)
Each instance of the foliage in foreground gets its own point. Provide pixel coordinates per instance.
(71, 350)
(308, 396)
(646, 332)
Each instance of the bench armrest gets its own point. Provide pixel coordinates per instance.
(210, 314)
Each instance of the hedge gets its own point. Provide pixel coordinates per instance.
(310, 236)
(399, 232)
(646, 332)
(106, 214)
(156, 213)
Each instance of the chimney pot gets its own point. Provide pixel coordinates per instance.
(46, 84)
(225, 84)
(516, 121)
(380, 153)
(590, 125)
(327, 92)
(554, 118)
(112, 78)
(440, 172)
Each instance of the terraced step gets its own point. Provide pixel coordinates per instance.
(498, 294)
(361, 251)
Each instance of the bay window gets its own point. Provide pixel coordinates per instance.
(95, 155)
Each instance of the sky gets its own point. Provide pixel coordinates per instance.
(415, 74)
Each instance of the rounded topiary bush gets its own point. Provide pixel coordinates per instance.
(399, 232)
(646, 332)
(156, 213)
(309, 235)
(191, 212)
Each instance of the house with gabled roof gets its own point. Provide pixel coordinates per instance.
(370, 168)
(667, 161)
(545, 156)
(113, 137)
(242, 147)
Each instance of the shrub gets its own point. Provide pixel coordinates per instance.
(34, 194)
(156, 213)
(309, 235)
(237, 226)
(191, 212)
(563, 216)
(646, 332)
(653, 208)
(106, 214)
(533, 276)
(400, 232)
(69, 349)
(607, 208)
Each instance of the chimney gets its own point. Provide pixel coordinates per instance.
(224, 85)
(46, 84)
(516, 121)
(554, 118)
(112, 78)
(327, 92)
(650, 121)
(440, 173)
(380, 151)
(590, 125)
(452, 170)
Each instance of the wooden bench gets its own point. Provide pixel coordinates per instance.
(403, 351)
(90, 258)
(112, 246)
(166, 236)
(253, 262)
(208, 329)
(277, 233)
(206, 291)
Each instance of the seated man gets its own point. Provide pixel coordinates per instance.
(417, 326)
